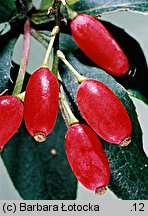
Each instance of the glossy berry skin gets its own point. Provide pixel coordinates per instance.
(103, 111)
(86, 157)
(11, 115)
(99, 45)
(41, 102)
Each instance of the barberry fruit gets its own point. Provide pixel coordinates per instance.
(99, 45)
(87, 158)
(41, 103)
(11, 115)
(104, 112)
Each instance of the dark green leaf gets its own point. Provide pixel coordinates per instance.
(137, 95)
(23, 6)
(97, 7)
(6, 51)
(66, 41)
(36, 173)
(13, 74)
(129, 165)
(7, 10)
(71, 2)
(45, 4)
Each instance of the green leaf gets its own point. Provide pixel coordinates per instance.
(95, 7)
(137, 95)
(7, 10)
(129, 165)
(6, 51)
(71, 2)
(46, 4)
(36, 172)
(23, 6)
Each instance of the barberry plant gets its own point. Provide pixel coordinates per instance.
(94, 137)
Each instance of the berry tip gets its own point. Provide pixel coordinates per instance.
(40, 137)
(100, 191)
(125, 142)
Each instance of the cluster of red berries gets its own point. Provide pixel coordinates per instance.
(99, 106)
(39, 110)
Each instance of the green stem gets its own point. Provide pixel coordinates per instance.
(72, 118)
(79, 77)
(63, 114)
(24, 59)
(49, 49)
(56, 44)
(71, 13)
(55, 65)
(21, 96)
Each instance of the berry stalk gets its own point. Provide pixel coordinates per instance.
(79, 77)
(55, 65)
(21, 96)
(49, 49)
(63, 114)
(56, 43)
(72, 118)
(71, 13)
(24, 59)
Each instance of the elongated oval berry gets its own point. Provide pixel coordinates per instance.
(11, 115)
(87, 158)
(104, 112)
(41, 103)
(99, 45)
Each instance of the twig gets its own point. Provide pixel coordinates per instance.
(55, 65)
(63, 114)
(24, 59)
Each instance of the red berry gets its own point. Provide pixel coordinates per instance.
(87, 158)
(11, 114)
(104, 112)
(99, 45)
(41, 103)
